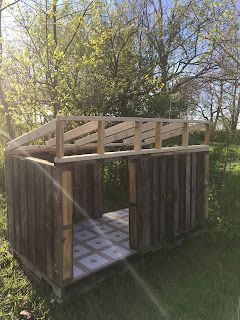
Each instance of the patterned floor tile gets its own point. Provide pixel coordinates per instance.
(94, 261)
(77, 272)
(101, 228)
(79, 251)
(98, 243)
(116, 252)
(117, 236)
(119, 223)
(84, 235)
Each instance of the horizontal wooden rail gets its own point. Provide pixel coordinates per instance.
(126, 119)
(103, 131)
(132, 153)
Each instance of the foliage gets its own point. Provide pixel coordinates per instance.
(122, 58)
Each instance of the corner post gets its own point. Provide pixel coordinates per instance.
(185, 136)
(138, 136)
(60, 138)
(101, 137)
(158, 134)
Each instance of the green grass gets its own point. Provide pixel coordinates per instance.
(199, 280)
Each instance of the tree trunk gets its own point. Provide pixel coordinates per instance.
(3, 101)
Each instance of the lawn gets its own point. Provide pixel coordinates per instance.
(198, 279)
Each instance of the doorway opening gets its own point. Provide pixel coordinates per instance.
(101, 240)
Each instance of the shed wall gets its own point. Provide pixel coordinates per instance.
(35, 219)
(168, 197)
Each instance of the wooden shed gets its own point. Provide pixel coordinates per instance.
(56, 223)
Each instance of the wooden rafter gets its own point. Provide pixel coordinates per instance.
(95, 134)
(76, 132)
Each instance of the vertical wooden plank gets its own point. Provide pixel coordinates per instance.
(188, 195)
(98, 189)
(31, 208)
(67, 208)
(67, 254)
(169, 199)
(182, 193)
(57, 225)
(176, 193)
(206, 178)
(23, 207)
(133, 217)
(76, 192)
(162, 181)
(16, 204)
(144, 178)
(155, 225)
(60, 138)
(138, 136)
(185, 135)
(101, 137)
(40, 217)
(67, 200)
(158, 133)
(9, 185)
(207, 134)
(193, 189)
(200, 186)
(49, 220)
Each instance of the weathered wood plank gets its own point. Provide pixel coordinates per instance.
(32, 135)
(155, 225)
(133, 214)
(31, 208)
(16, 204)
(9, 185)
(169, 199)
(57, 225)
(176, 193)
(40, 218)
(22, 167)
(188, 194)
(49, 220)
(144, 203)
(193, 189)
(67, 199)
(206, 178)
(98, 189)
(67, 254)
(162, 181)
(182, 194)
(200, 187)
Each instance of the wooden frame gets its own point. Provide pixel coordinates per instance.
(168, 186)
(135, 133)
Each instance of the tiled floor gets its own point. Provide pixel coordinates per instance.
(101, 242)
